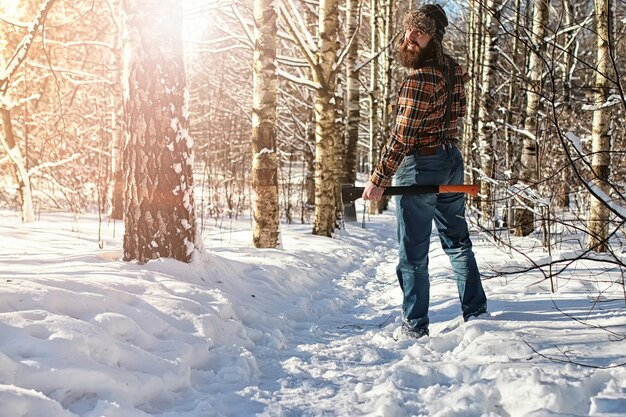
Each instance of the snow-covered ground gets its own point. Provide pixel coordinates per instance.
(307, 330)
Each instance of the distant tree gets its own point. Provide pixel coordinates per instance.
(160, 219)
(7, 137)
(524, 217)
(265, 210)
(352, 101)
(374, 137)
(598, 219)
(322, 59)
(486, 126)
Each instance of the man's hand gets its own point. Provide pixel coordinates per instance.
(372, 192)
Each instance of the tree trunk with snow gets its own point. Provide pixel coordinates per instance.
(524, 217)
(486, 126)
(265, 210)
(325, 74)
(598, 218)
(160, 218)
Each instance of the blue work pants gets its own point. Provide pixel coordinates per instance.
(415, 215)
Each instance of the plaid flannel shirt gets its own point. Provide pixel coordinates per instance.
(420, 120)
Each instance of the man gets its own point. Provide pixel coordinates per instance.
(422, 150)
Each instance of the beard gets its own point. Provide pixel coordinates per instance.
(417, 57)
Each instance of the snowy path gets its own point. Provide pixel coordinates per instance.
(349, 364)
(300, 331)
(349, 360)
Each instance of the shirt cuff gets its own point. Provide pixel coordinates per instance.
(380, 180)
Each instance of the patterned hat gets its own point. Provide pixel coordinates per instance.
(430, 19)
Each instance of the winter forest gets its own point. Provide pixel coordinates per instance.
(195, 140)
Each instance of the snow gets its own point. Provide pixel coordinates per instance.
(610, 202)
(612, 100)
(302, 331)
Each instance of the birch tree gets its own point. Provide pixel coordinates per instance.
(160, 218)
(322, 59)
(373, 94)
(324, 218)
(474, 57)
(265, 210)
(486, 126)
(352, 102)
(598, 218)
(524, 217)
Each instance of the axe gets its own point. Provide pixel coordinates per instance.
(349, 193)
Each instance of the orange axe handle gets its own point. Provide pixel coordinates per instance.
(461, 188)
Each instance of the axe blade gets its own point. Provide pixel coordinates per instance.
(349, 193)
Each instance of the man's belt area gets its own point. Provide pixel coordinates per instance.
(431, 148)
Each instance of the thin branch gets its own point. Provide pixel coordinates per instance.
(19, 56)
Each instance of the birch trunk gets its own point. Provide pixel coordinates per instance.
(511, 140)
(524, 218)
(486, 131)
(373, 95)
(338, 151)
(352, 96)
(160, 219)
(265, 209)
(598, 218)
(471, 117)
(562, 197)
(325, 74)
(566, 77)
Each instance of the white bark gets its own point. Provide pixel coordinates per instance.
(598, 218)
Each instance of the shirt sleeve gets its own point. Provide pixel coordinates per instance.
(413, 104)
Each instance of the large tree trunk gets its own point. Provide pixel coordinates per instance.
(486, 131)
(20, 172)
(325, 216)
(524, 218)
(598, 218)
(265, 210)
(160, 219)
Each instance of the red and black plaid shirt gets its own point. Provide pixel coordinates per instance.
(420, 120)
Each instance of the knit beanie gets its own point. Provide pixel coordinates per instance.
(430, 19)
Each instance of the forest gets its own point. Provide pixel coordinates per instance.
(173, 238)
(177, 115)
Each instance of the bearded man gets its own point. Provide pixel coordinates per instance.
(422, 150)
